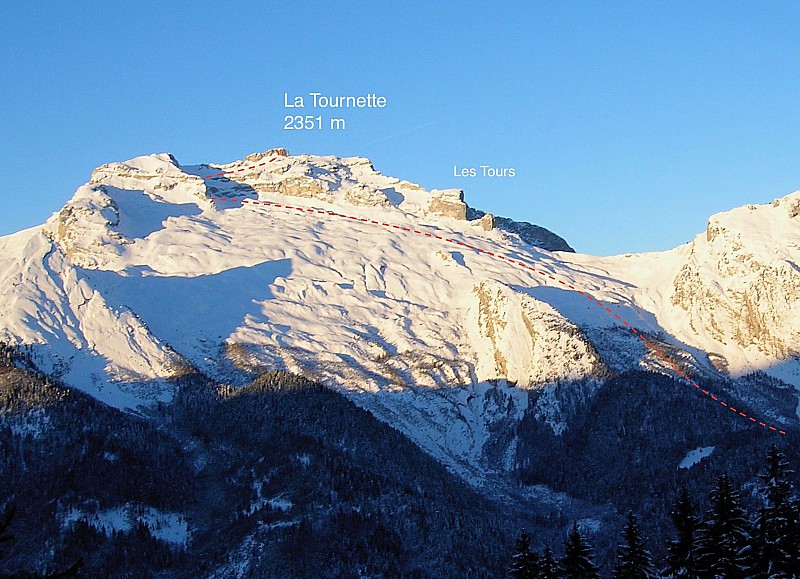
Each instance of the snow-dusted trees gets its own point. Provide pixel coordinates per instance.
(724, 535)
(548, 568)
(776, 533)
(524, 563)
(735, 538)
(577, 562)
(682, 550)
(633, 559)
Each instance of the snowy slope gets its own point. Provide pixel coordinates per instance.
(733, 292)
(147, 273)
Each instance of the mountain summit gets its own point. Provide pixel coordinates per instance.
(387, 292)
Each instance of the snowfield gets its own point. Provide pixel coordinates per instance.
(147, 272)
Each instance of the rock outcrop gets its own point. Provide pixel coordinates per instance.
(447, 203)
(741, 282)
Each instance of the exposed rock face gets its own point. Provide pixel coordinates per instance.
(527, 341)
(527, 232)
(447, 203)
(299, 186)
(354, 181)
(256, 157)
(366, 196)
(486, 222)
(84, 228)
(156, 173)
(741, 283)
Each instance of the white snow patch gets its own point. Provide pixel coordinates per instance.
(169, 527)
(280, 502)
(589, 525)
(695, 456)
(33, 423)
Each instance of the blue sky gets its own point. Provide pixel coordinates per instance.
(627, 124)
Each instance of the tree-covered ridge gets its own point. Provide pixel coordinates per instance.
(285, 478)
(282, 477)
(726, 542)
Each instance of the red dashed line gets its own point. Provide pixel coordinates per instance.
(223, 173)
(516, 262)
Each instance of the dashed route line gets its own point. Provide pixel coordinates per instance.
(242, 169)
(502, 257)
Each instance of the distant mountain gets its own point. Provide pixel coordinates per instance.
(470, 334)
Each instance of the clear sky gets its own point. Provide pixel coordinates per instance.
(627, 124)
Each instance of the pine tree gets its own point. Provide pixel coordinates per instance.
(524, 563)
(776, 552)
(682, 550)
(548, 568)
(577, 562)
(633, 560)
(724, 534)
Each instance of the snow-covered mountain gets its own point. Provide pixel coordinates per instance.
(438, 318)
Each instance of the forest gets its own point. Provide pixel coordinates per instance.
(286, 478)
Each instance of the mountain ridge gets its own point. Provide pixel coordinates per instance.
(146, 272)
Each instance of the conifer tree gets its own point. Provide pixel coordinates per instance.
(724, 534)
(577, 562)
(548, 568)
(776, 550)
(682, 550)
(633, 560)
(524, 563)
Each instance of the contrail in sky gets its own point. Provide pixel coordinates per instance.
(401, 133)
